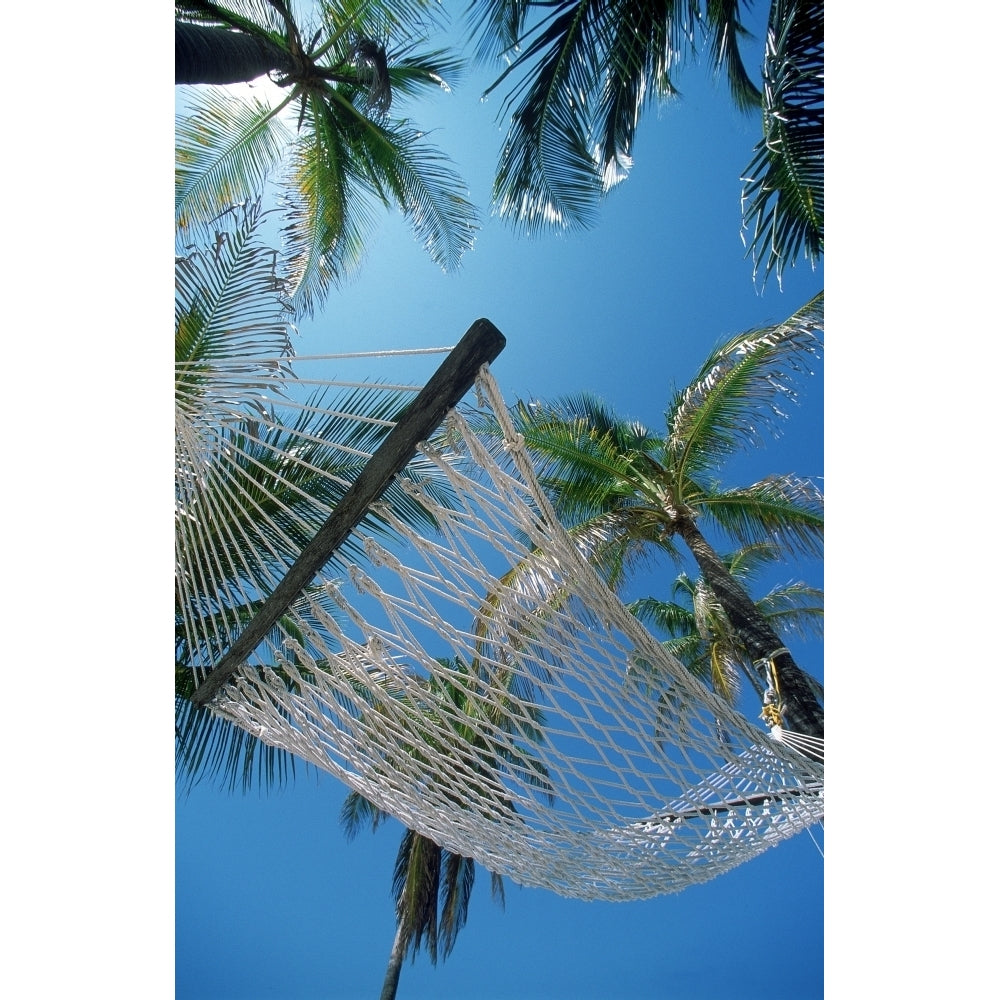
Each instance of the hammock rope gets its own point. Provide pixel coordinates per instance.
(477, 680)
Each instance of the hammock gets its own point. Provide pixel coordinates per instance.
(474, 678)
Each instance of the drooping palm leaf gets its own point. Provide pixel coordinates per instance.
(381, 20)
(735, 395)
(458, 875)
(546, 175)
(783, 185)
(785, 509)
(416, 880)
(209, 747)
(725, 30)
(329, 217)
(228, 302)
(225, 149)
(585, 71)
(426, 189)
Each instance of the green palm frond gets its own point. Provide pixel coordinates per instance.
(426, 189)
(382, 20)
(497, 26)
(784, 509)
(725, 30)
(736, 394)
(344, 166)
(358, 812)
(225, 150)
(329, 217)
(228, 301)
(645, 42)
(415, 884)
(458, 875)
(795, 609)
(208, 746)
(547, 175)
(585, 71)
(745, 563)
(414, 71)
(667, 616)
(783, 185)
(579, 443)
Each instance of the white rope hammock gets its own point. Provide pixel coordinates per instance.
(526, 720)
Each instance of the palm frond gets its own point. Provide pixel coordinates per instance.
(547, 175)
(496, 26)
(415, 882)
(426, 190)
(725, 30)
(228, 301)
(667, 616)
(225, 150)
(745, 563)
(736, 394)
(783, 185)
(344, 165)
(329, 214)
(209, 747)
(785, 510)
(794, 609)
(382, 20)
(414, 71)
(458, 875)
(646, 41)
(357, 812)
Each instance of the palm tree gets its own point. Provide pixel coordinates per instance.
(242, 507)
(583, 73)
(431, 885)
(344, 155)
(625, 493)
(701, 636)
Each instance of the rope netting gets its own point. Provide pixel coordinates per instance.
(470, 675)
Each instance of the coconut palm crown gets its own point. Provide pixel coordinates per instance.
(333, 144)
(700, 635)
(626, 493)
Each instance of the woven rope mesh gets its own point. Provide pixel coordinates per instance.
(473, 677)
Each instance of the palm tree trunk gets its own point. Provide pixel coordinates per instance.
(219, 56)
(396, 956)
(802, 711)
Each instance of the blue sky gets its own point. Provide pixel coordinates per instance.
(626, 311)
(89, 883)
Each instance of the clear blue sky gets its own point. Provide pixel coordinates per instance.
(624, 311)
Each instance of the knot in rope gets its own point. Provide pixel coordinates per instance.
(514, 443)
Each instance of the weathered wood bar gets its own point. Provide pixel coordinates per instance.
(481, 345)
